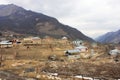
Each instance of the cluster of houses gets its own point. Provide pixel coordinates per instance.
(77, 50)
(32, 40)
(79, 45)
(46, 40)
(82, 48)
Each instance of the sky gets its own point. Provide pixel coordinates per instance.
(92, 17)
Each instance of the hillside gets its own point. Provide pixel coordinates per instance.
(110, 37)
(16, 19)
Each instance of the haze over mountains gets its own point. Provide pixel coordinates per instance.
(110, 37)
(18, 20)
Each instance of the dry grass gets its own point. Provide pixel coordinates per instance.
(34, 52)
(38, 56)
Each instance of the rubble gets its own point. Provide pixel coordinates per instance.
(106, 70)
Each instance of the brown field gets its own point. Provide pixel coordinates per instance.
(20, 57)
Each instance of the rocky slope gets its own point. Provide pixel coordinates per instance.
(18, 20)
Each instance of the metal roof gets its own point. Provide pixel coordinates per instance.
(5, 42)
(80, 47)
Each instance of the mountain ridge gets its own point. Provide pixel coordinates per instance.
(17, 19)
(110, 37)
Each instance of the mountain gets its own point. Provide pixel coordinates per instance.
(16, 19)
(110, 37)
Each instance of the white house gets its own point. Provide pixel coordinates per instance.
(64, 38)
(76, 50)
(114, 52)
(82, 48)
(5, 44)
(78, 42)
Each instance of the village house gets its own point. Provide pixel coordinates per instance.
(78, 42)
(76, 50)
(6, 44)
(82, 48)
(64, 38)
(65, 41)
(115, 53)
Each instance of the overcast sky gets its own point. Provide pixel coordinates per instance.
(92, 17)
